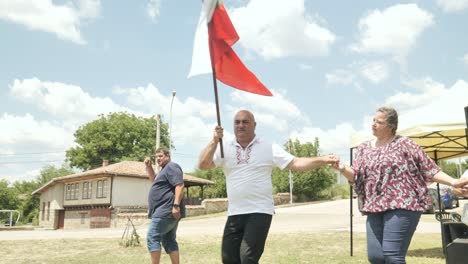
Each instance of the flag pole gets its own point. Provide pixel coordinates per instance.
(218, 116)
(215, 87)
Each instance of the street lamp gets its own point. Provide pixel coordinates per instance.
(170, 121)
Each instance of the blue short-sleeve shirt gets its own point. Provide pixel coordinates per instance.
(162, 193)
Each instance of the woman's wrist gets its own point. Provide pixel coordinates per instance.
(342, 169)
(454, 183)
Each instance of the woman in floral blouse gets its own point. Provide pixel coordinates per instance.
(390, 175)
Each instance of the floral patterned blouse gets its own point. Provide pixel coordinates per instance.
(392, 176)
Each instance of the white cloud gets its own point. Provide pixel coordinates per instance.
(428, 91)
(305, 67)
(340, 77)
(453, 5)
(465, 59)
(335, 140)
(71, 107)
(447, 107)
(276, 111)
(376, 72)
(25, 131)
(393, 31)
(153, 9)
(187, 116)
(62, 20)
(433, 104)
(67, 102)
(89, 8)
(27, 143)
(269, 32)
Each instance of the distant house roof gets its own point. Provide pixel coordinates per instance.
(124, 168)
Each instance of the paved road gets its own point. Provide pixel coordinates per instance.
(323, 216)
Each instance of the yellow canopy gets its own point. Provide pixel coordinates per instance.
(439, 141)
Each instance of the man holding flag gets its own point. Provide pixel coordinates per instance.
(212, 53)
(247, 165)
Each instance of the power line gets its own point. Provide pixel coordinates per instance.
(30, 153)
(33, 161)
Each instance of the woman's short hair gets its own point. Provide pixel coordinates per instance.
(392, 117)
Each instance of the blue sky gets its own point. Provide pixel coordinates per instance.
(329, 64)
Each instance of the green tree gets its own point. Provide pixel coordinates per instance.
(307, 185)
(49, 172)
(8, 196)
(29, 204)
(115, 137)
(463, 166)
(450, 168)
(218, 190)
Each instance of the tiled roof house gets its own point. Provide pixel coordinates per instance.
(95, 198)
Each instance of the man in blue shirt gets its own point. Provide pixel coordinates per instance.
(165, 206)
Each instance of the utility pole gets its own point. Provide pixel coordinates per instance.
(170, 121)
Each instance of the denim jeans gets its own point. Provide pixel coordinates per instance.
(389, 235)
(162, 230)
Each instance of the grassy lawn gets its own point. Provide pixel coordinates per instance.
(288, 249)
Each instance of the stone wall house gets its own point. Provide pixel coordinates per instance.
(99, 198)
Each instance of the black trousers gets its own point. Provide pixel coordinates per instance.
(244, 238)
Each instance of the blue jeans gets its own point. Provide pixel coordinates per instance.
(389, 235)
(162, 230)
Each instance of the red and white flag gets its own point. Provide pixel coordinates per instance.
(213, 39)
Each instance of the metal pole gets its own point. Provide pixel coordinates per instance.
(170, 121)
(441, 211)
(466, 129)
(351, 208)
(290, 178)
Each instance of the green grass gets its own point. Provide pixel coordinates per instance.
(323, 247)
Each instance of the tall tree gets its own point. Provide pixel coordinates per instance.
(307, 185)
(451, 168)
(29, 205)
(115, 137)
(464, 165)
(49, 172)
(8, 197)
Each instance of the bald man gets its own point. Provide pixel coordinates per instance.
(248, 162)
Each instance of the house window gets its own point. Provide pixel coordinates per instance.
(48, 211)
(72, 191)
(43, 211)
(101, 190)
(77, 191)
(87, 187)
(68, 192)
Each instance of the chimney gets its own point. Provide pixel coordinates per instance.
(105, 163)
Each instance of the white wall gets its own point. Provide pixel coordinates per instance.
(130, 191)
(54, 195)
